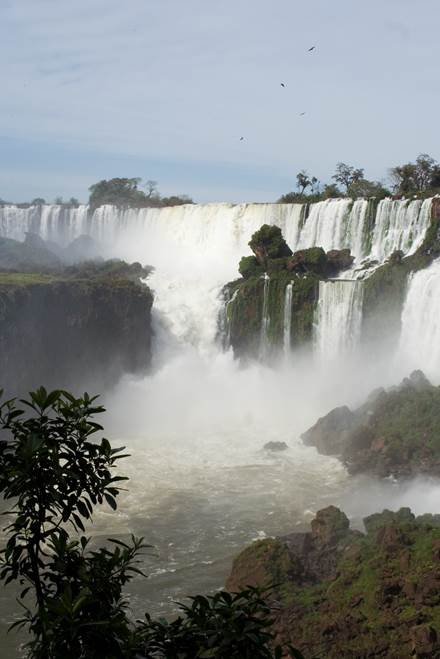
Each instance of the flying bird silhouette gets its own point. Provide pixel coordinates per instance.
(312, 48)
(241, 139)
(282, 84)
(302, 114)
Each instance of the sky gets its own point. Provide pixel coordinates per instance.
(164, 89)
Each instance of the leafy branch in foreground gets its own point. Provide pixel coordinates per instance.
(54, 473)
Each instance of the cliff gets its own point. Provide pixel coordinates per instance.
(81, 330)
(337, 593)
(394, 433)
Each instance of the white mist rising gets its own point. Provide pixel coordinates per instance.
(201, 484)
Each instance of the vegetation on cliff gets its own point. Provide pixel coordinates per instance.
(420, 178)
(244, 298)
(340, 593)
(395, 432)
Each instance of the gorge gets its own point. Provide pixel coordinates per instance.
(201, 485)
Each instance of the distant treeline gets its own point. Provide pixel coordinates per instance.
(123, 192)
(420, 178)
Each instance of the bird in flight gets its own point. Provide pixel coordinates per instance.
(302, 114)
(312, 48)
(241, 139)
(282, 84)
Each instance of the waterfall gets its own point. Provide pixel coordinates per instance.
(265, 320)
(227, 228)
(419, 345)
(338, 318)
(287, 319)
(224, 322)
(196, 248)
(399, 225)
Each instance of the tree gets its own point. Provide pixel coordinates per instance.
(416, 178)
(73, 201)
(38, 201)
(54, 475)
(54, 472)
(58, 200)
(331, 191)
(176, 200)
(347, 175)
(151, 188)
(365, 188)
(302, 181)
(117, 191)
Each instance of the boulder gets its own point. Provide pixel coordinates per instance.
(313, 259)
(329, 525)
(338, 260)
(275, 446)
(330, 432)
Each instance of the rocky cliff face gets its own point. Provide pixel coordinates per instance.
(339, 593)
(395, 432)
(77, 332)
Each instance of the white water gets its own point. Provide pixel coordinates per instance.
(400, 225)
(287, 339)
(338, 318)
(227, 228)
(201, 486)
(420, 337)
(265, 321)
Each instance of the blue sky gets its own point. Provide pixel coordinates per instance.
(163, 89)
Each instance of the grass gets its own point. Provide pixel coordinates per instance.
(25, 278)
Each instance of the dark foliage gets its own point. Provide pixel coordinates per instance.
(54, 473)
(125, 192)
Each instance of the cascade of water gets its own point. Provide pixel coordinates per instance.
(224, 322)
(399, 225)
(196, 248)
(265, 320)
(331, 224)
(287, 319)
(419, 345)
(325, 224)
(338, 318)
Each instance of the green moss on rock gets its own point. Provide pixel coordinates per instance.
(349, 594)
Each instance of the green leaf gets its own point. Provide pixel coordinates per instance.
(110, 500)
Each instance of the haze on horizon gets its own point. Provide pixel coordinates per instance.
(164, 90)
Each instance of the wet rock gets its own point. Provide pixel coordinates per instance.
(275, 446)
(337, 260)
(396, 257)
(331, 432)
(329, 525)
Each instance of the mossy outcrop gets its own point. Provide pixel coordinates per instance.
(340, 593)
(269, 272)
(81, 329)
(394, 433)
